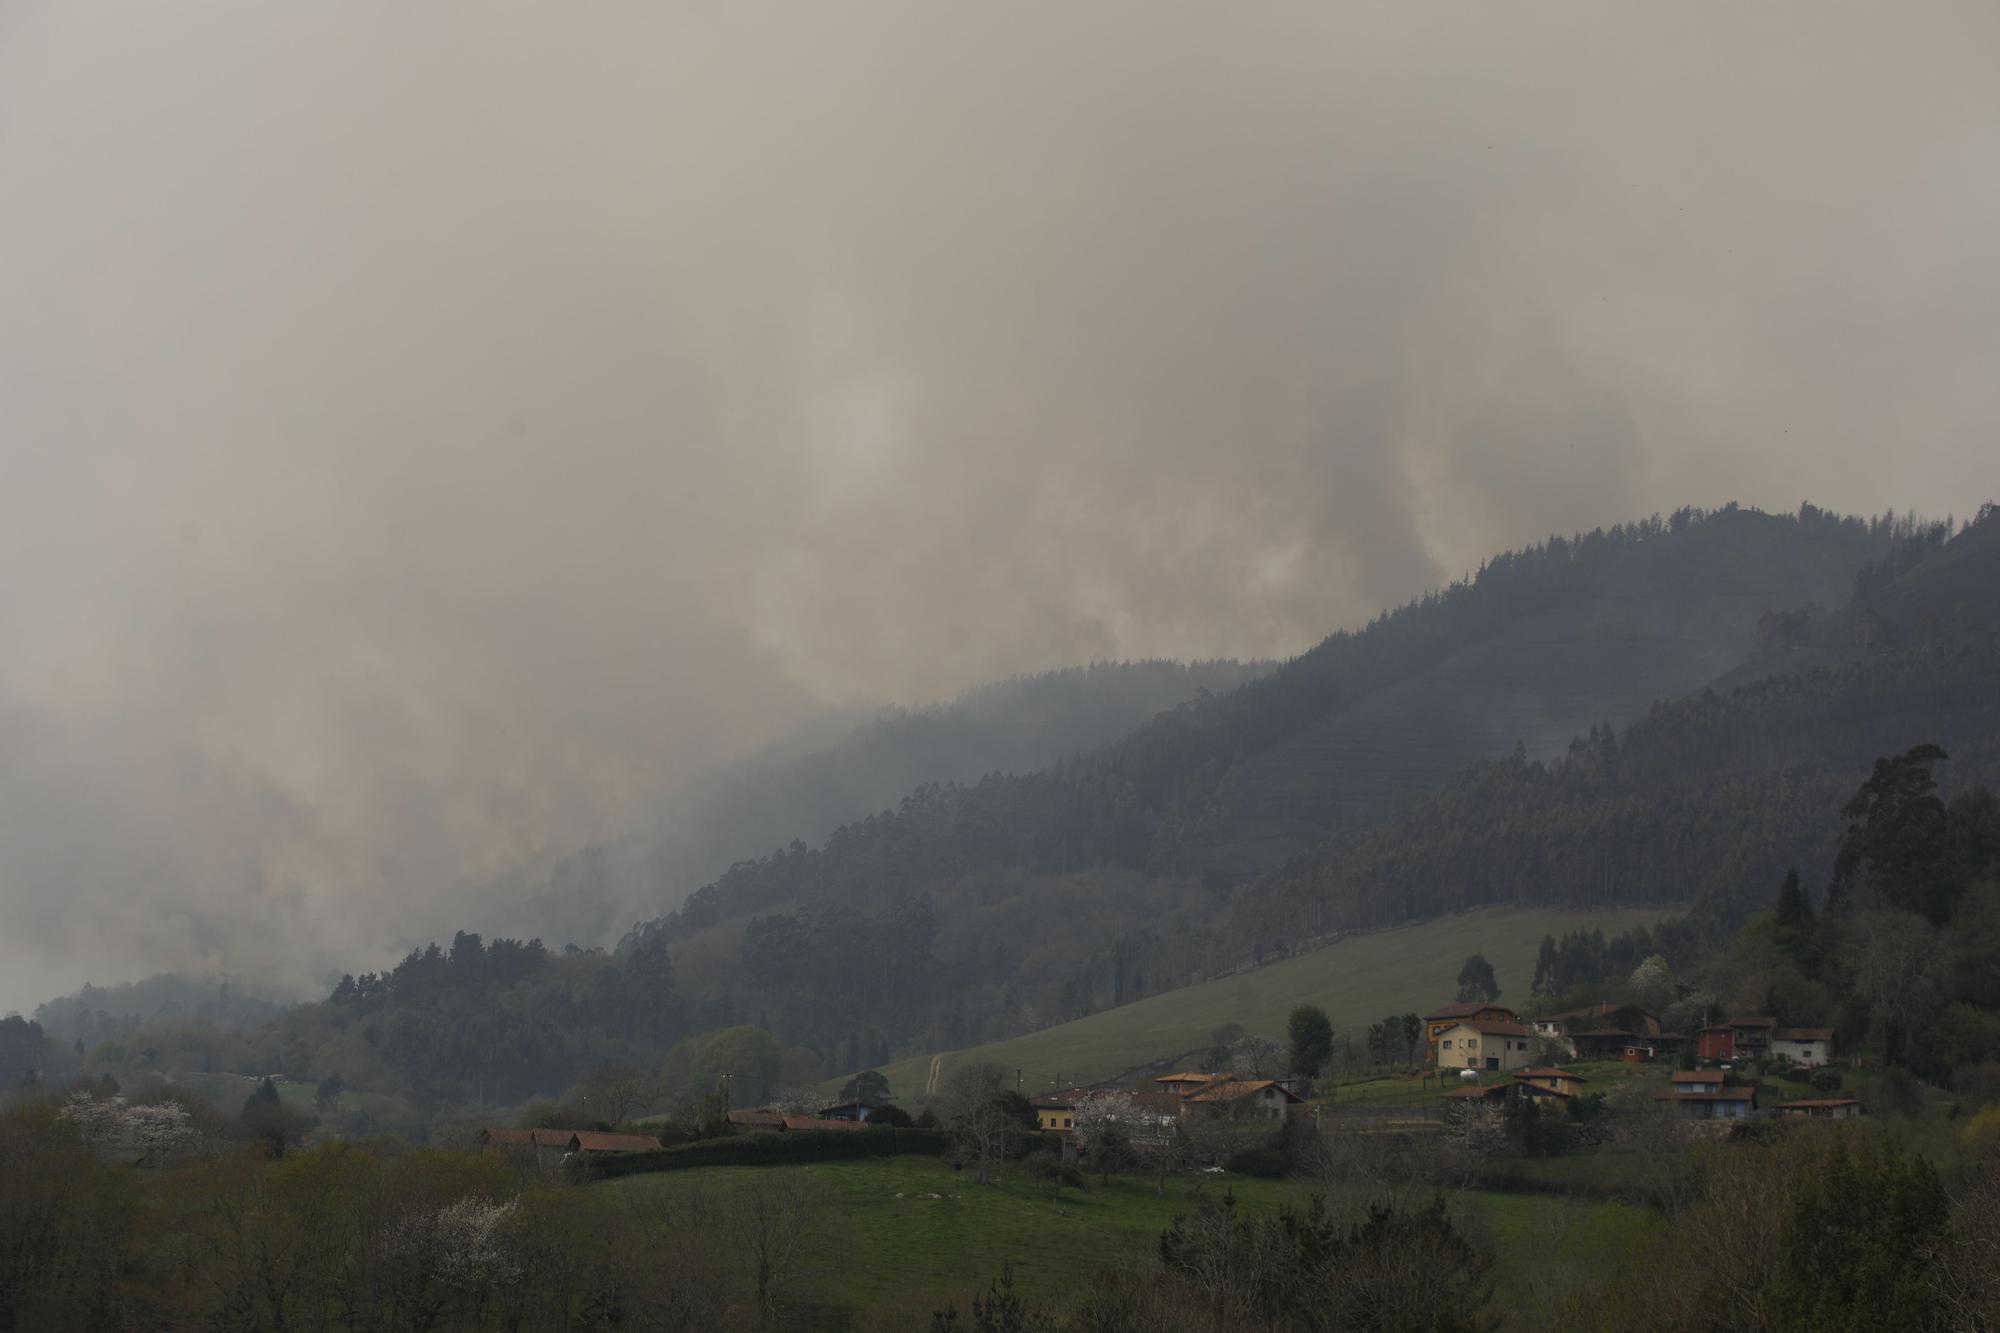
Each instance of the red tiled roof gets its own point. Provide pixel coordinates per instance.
(1189, 1078)
(590, 1140)
(1236, 1091)
(1801, 1034)
(1059, 1101)
(1550, 1073)
(1696, 1076)
(1726, 1095)
(1475, 1092)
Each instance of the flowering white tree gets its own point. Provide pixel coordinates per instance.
(430, 1258)
(151, 1134)
(1106, 1124)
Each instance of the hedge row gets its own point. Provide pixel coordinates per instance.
(774, 1148)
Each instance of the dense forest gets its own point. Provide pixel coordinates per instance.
(1147, 802)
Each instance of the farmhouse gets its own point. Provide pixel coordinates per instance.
(1227, 1095)
(1597, 1017)
(767, 1121)
(1811, 1047)
(1056, 1111)
(1484, 1043)
(1561, 1082)
(536, 1145)
(543, 1144)
(1738, 1039)
(1439, 1021)
(1702, 1094)
(1602, 1043)
(594, 1141)
(1252, 1099)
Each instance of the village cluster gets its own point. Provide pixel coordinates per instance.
(1475, 1039)
(1485, 1050)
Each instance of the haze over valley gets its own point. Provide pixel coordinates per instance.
(436, 437)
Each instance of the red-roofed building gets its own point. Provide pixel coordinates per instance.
(1241, 1099)
(1738, 1039)
(1564, 1083)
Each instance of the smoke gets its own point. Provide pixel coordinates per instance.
(429, 429)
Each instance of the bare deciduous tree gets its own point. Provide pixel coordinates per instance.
(782, 1220)
(978, 1117)
(616, 1090)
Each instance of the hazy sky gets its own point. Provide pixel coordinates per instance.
(426, 427)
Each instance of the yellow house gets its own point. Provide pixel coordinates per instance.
(1482, 1043)
(1438, 1022)
(1055, 1112)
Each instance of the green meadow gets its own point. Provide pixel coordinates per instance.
(889, 1254)
(1357, 981)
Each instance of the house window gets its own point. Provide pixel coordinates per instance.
(1446, 1044)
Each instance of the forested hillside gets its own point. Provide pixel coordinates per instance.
(835, 771)
(1170, 799)
(1039, 897)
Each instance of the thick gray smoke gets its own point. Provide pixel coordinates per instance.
(426, 428)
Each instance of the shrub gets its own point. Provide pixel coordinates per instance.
(1265, 1161)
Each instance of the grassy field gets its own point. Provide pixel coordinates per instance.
(1547, 1247)
(911, 1254)
(1357, 981)
(891, 1260)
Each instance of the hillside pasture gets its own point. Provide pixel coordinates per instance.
(1357, 981)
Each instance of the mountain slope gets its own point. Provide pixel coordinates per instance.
(1658, 619)
(1707, 799)
(1553, 639)
(975, 912)
(837, 770)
